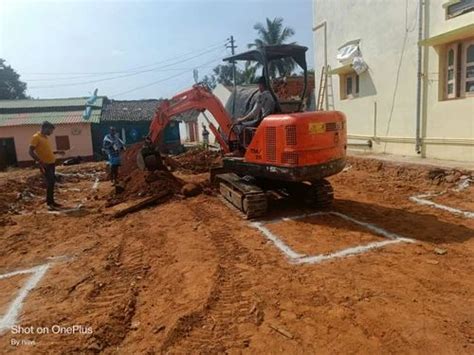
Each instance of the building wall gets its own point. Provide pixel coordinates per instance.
(385, 110)
(183, 132)
(223, 94)
(445, 119)
(80, 142)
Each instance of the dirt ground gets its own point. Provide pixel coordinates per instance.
(191, 276)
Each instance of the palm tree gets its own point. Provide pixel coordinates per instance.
(249, 73)
(273, 34)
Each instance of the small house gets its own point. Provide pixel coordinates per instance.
(132, 119)
(20, 119)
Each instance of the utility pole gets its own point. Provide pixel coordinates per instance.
(232, 47)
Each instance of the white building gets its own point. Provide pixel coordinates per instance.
(387, 107)
(191, 130)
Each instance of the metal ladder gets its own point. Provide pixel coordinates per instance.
(325, 81)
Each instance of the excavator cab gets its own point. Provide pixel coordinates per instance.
(267, 56)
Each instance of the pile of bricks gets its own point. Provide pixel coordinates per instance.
(291, 87)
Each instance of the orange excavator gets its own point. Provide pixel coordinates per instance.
(290, 152)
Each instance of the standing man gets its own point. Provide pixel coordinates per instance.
(41, 152)
(205, 136)
(112, 146)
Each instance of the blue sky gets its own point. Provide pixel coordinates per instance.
(52, 43)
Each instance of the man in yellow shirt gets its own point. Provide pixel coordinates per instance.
(41, 152)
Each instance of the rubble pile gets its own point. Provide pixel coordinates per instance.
(414, 173)
(453, 176)
(15, 194)
(196, 160)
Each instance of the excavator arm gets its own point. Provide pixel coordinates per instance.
(197, 98)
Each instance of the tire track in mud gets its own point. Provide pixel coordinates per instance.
(213, 328)
(111, 301)
(117, 295)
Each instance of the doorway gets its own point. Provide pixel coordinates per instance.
(7, 153)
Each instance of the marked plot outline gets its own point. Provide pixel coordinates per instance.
(425, 200)
(10, 317)
(299, 258)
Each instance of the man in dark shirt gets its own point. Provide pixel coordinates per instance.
(264, 106)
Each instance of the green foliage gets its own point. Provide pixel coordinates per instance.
(10, 85)
(249, 74)
(210, 81)
(223, 74)
(274, 33)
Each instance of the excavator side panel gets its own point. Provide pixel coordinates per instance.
(299, 140)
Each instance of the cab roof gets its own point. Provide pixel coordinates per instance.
(269, 53)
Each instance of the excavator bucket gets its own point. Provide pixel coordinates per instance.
(149, 158)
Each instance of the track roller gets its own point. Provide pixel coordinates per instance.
(319, 194)
(245, 196)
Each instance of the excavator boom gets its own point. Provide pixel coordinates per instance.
(197, 98)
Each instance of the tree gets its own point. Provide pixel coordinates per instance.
(10, 85)
(210, 81)
(249, 73)
(224, 75)
(273, 33)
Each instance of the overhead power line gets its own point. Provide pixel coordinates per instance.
(164, 79)
(81, 77)
(120, 76)
(203, 50)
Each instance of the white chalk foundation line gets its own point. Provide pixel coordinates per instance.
(11, 316)
(277, 241)
(374, 228)
(369, 226)
(298, 258)
(421, 200)
(346, 252)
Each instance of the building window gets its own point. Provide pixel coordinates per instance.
(459, 70)
(456, 8)
(192, 131)
(468, 69)
(62, 143)
(350, 86)
(451, 72)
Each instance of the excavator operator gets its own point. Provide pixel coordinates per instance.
(264, 106)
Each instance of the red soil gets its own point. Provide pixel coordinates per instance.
(196, 160)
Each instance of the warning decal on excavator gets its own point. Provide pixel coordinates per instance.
(316, 127)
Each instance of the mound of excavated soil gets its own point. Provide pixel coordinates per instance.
(138, 183)
(129, 159)
(143, 183)
(196, 160)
